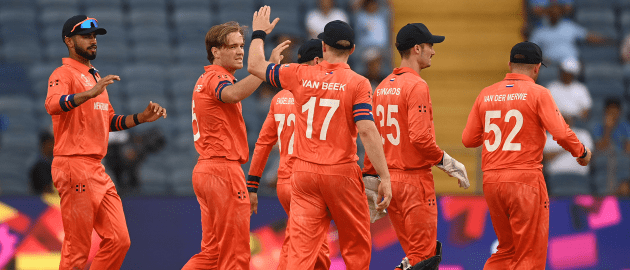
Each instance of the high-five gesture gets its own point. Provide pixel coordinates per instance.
(261, 20)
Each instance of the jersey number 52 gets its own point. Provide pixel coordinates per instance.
(489, 127)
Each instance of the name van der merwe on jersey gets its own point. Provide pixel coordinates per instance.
(325, 85)
(514, 96)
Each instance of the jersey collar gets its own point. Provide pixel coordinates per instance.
(76, 65)
(220, 69)
(402, 70)
(329, 66)
(518, 77)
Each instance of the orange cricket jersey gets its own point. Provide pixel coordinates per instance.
(404, 118)
(278, 127)
(509, 119)
(329, 99)
(218, 127)
(79, 130)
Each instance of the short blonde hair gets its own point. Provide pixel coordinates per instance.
(217, 36)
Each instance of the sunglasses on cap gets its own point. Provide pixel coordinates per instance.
(86, 24)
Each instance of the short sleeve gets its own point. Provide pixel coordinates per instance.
(218, 83)
(362, 102)
(59, 98)
(283, 76)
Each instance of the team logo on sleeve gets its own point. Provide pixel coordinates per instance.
(51, 83)
(86, 81)
(422, 108)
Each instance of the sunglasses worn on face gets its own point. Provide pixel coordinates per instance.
(86, 24)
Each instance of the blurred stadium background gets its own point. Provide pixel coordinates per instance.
(157, 47)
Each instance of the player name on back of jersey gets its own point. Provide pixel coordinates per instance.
(325, 86)
(387, 91)
(285, 100)
(513, 96)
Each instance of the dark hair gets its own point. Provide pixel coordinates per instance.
(612, 101)
(337, 51)
(217, 36)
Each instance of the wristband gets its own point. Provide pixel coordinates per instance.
(259, 34)
(253, 183)
(585, 152)
(135, 119)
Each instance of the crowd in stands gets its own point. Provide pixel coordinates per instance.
(157, 48)
(588, 72)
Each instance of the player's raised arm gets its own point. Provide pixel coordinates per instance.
(257, 65)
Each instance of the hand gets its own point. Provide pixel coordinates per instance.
(100, 85)
(455, 169)
(253, 203)
(384, 193)
(151, 113)
(371, 191)
(261, 20)
(584, 161)
(276, 54)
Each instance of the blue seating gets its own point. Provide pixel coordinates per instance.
(603, 71)
(57, 16)
(147, 4)
(144, 17)
(107, 17)
(102, 3)
(6, 4)
(139, 103)
(13, 78)
(182, 182)
(589, 4)
(595, 16)
(55, 51)
(242, 16)
(597, 54)
(183, 87)
(191, 4)
(139, 88)
(112, 52)
(184, 72)
(51, 4)
(143, 72)
(153, 53)
(20, 33)
(601, 89)
(569, 184)
(18, 15)
(192, 54)
(150, 35)
(192, 17)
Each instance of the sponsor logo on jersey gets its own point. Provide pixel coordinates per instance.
(86, 81)
(198, 88)
(285, 100)
(101, 106)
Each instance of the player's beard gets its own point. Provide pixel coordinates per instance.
(85, 54)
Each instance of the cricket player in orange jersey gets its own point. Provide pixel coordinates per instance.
(279, 127)
(82, 118)
(221, 141)
(509, 119)
(333, 104)
(404, 111)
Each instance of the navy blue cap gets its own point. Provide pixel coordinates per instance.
(309, 50)
(336, 31)
(415, 33)
(527, 53)
(79, 30)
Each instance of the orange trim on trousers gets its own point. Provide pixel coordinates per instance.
(284, 196)
(222, 195)
(413, 213)
(519, 209)
(321, 193)
(89, 200)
